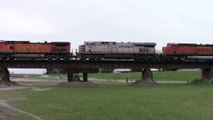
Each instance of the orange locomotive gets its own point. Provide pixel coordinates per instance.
(189, 51)
(26, 49)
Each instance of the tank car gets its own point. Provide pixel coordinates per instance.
(189, 51)
(29, 50)
(116, 50)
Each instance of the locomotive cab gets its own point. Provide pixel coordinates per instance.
(5, 47)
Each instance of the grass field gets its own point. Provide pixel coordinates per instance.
(162, 76)
(117, 102)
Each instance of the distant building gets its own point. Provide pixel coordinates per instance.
(122, 70)
(54, 71)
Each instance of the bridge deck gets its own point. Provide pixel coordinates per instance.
(88, 64)
(76, 66)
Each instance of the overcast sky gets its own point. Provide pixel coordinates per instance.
(76, 21)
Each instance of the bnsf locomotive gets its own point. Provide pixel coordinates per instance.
(26, 49)
(188, 51)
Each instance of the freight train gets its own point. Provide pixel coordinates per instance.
(104, 50)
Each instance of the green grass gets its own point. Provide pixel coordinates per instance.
(162, 76)
(117, 102)
(165, 75)
(114, 101)
(51, 76)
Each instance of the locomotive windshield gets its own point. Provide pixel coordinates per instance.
(145, 44)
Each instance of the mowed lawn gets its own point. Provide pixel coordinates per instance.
(158, 76)
(162, 76)
(117, 102)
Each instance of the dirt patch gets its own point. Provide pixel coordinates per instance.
(45, 80)
(8, 84)
(40, 89)
(201, 81)
(77, 84)
(14, 88)
(145, 83)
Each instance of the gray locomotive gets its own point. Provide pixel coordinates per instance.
(116, 50)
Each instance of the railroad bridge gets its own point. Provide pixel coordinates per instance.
(84, 66)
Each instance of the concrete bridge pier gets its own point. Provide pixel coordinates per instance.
(146, 79)
(207, 74)
(85, 77)
(69, 77)
(4, 75)
(147, 75)
(75, 78)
